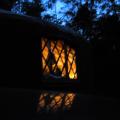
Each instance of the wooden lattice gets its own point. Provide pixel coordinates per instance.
(58, 59)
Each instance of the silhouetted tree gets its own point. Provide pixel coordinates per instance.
(7, 4)
(33, 9)
(109, 35)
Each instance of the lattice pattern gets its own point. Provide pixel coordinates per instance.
(55, 101)
(58, 59)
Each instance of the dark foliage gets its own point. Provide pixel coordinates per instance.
(7, 4)
(33, 9)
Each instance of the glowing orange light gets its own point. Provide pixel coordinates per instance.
(56, 48)
(55, 101)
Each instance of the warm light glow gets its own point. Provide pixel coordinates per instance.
(55, 101)
(69, 99)
(42, 101)
(54, 56)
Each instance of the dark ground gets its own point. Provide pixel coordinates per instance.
(21, 104)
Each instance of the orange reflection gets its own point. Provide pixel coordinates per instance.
(55, 101)
(54, 59)
(69, 100)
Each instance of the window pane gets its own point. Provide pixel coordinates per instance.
(58, 59)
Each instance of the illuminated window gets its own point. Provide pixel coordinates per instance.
(55, 101)
(58, 59)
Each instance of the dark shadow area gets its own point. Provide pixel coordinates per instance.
(106, 52)
(54, 105)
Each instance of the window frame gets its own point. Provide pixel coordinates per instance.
(60, 80)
